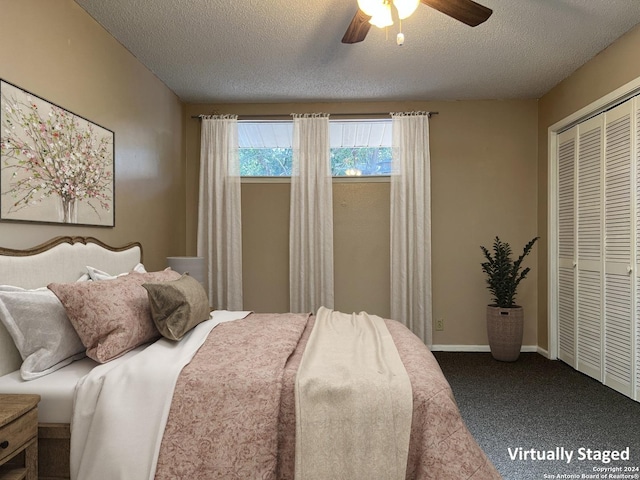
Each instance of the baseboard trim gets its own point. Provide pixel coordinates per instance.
(543, 352)
(482, 348)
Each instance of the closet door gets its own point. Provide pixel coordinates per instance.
(589, 291)
(598, 235)
(618, 251)
(566, 247)
(636, 130)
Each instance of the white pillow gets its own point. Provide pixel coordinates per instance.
(41, 330)
(95, 274)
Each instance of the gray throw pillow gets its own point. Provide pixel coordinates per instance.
(177, 306)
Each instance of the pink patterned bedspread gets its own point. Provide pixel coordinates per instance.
(233, 410)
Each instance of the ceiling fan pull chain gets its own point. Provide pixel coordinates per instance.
(400, 36)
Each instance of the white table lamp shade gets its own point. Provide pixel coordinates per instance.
(194, 266)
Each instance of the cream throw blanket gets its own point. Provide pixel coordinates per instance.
(353, 401)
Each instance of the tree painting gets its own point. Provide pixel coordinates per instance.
(53, 158)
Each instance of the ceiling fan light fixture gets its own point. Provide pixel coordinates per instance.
(370, 7)
(466, 11)
(382, 17)
(406, 7)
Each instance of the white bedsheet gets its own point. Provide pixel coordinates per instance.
(56, 389)
(121, 410)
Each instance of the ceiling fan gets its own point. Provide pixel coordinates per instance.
(466, 11)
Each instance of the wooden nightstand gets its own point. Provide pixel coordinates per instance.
(19, 437)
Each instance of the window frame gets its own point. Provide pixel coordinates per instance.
(335, 179)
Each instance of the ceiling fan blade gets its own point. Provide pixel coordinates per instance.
(466, 11)
(358, 28)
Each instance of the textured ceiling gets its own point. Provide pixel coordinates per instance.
(289, 50)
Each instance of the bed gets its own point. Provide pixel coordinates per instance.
(236, 407)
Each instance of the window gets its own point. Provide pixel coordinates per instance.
(358, 148)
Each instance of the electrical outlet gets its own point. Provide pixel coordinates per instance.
(440, 324)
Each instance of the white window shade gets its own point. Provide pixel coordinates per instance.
(265, 134)
(343, 133)
(360, 133)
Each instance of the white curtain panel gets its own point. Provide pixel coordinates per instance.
(411, 223)
(311, 216)
(219, 214)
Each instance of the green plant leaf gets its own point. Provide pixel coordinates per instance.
(504, 274)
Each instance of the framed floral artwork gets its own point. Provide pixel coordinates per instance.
(55, 166)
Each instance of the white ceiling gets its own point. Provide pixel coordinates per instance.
(289, 50)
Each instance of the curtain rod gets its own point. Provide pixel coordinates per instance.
(288, 115)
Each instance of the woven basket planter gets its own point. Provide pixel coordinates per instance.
(504, 329)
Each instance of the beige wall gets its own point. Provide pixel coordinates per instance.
(485, 179)
(484, 183)
(57, 51)
(483, 164)
(613, 67)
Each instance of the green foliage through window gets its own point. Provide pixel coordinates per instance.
(356, 161)
(266, 162)
(345, 162)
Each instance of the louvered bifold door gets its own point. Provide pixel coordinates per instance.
(636, 129)
(618, 278)
(589, 325)
(566, 247)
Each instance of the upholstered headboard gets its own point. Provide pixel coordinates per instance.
(62, 259)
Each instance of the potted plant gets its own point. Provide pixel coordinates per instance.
(505, 319)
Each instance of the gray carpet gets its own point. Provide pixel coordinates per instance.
(545, 405)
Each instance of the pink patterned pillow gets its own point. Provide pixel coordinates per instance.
(111, 317)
